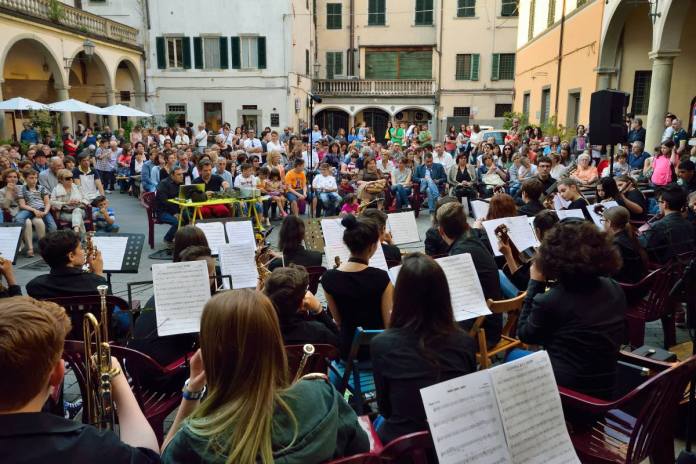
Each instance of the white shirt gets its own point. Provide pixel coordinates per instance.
(271, 146)
(182, 140)
(202, 138)
(250, 182)
(252, 143)
(229, 138)
(315, 160)
(321, 183)
(445, 160)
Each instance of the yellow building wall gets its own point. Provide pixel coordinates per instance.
(637, 42)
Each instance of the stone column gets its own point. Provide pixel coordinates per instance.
(111, 100)
(604, 77)
(65, 118)
(3, 133)
(660, 83)
(351, 123)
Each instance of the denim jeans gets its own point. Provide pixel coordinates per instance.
(402, 193)
(329, 202)
(172, 220)
(48, 220)
(506, 286)
(108, 179)
(429, 186)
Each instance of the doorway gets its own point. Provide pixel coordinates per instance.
(376, 120)
(212, 115)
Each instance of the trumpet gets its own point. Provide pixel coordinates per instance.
(90, 251)
(307, 352)
(98, 368)
(337, 262)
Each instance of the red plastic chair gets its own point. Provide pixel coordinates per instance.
(362, 458)
(155, 402)
(315, 273)
(147, 200)
(415, 448)
(319, 362)
(63, 224)
(656, 304)
(638, 426)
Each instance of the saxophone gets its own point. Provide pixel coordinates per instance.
(307, 352)
(90, 251)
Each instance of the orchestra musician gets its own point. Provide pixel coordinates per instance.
(434, 245)
(290, 239)
(579, 320)
(568, 190)
(530, 192)
(392, 253)
(633, 256)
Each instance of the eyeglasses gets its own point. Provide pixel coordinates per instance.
(67, 178)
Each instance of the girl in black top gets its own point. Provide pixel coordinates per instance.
(358, 295)
(634, 257)
(422, 347)
(631, 198)
(292, 233)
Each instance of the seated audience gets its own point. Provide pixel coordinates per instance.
(326, 189)
(423, 346)
(634, 258)
(31, 343)
(87, 178)
(392, 253)
(530, 192)
(35, 206)
(585, 174)
(455, 231)
(213, 184)
(252, 412)
(287, 289)
(168, 189)
(64, 254)
(461, 178)
(673, 234)
(68, 202)
(290, 239)
(429, 177)
(580, 319)
(296, 183)
(401, 183)
(358, 295)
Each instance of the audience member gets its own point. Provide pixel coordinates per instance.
(673, 234)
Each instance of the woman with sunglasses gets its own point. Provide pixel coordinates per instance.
(68, 201)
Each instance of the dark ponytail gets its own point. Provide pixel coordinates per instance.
(360, 233)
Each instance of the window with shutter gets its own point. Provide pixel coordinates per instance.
(466, 8)
(399, 64)
(381, 65)
(186, 49)
(236, 53)
(424, 12)
(509, 8)
(249, 48)
(506, 66)
(333, 16)
(306, 57)
(545, 105)
(224, 60)
(261, 44)
(495, 67)
(467, 67)
(532, 13)
(175, 53)
(415, 65)
(376, 13)
(475, 67)
(211, 52)
(334, 64)
(198, 52)
(161, 53)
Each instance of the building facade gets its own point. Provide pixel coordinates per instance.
(421, 61)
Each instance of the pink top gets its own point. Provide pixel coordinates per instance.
(349, 208)
(662, 170)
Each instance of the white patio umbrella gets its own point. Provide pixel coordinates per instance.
(123, 110)
(74, 106)
(21, 104)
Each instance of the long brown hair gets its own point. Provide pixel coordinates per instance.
(247, 372)
(502, 205)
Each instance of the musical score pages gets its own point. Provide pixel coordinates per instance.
(181, 291)
(480, 209)
(507, 414)
(9, 241)
(237, 260)
(112, 249)
(596, 217)
(334, 246)
(465, 288)
(214, 233)
(570, 213)
(403, 227)
(518, 230)
(218, 233)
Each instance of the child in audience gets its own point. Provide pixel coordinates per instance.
(103, 216)
(351, 205)
(345, 187)
(296, 182)
(275, 188)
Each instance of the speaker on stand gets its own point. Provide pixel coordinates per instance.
(607, 115)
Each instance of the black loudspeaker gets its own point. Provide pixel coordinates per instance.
(607, 112)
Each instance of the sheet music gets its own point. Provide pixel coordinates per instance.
(214, 233)
(480, 209)
(464, 421)
(181, 291)
(403, 227)
(332, 230)
(238, 261)
(394, 273)
(570, 213)
(9, 240)
(465, 205)
(113, 249)
(531, 412)
(559, 203)
(240, 232)
(518, 231)
(331, 250)
(597, 218)
(466, 293)
(530, 220)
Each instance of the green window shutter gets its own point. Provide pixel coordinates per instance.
(236, 53)
(495, 68)
(475, 67)
(224, 61)
(334, 16)
(376, 13)
(416, 65)
(338, 63)
(161, 53)
(381, 65)
(329, 65)
(261, 41)
(186, 50)
(198, 52)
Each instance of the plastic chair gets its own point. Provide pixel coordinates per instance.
(315, 273)
(356, 376)
(656, 304)
(416, 448)
(318, 362)
(63, 224)
(637, 426)
(362, 458)
(507, 341)
(147, 200)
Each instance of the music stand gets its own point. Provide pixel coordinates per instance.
(131, 258)
(14, 246)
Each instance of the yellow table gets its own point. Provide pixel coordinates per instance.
(196, 206)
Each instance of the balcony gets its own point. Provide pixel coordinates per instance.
(373, 88)
(73, 19)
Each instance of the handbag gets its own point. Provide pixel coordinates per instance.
(376, 187)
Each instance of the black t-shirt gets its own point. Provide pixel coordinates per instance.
(635, 196)
(580, 203)
(358, 296)
(392, 253)
(41, 437)
(213, 185)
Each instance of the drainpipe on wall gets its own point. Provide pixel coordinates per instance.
(439, 73)
(351, 49)
(146, 7)
(560, 58)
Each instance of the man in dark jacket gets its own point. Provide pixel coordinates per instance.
(168, 212)
(430, 176)
(530, 193)
(673, 234)
(455, 231)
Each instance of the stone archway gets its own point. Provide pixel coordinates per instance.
(332, 120)
(376, 119)
(90, 82)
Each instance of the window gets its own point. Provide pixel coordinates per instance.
(501, 109)
(178, 110)
(467, 67)
(503, 67)
(249, 55)
(212, 115)
(525, 104)
(125, 96)
(376, 13)
(175, 52)
(466, 8)
(333, 16)
(573, 116)
(334, 64)
(461, 112)
(424, 12)
(249, 52)
(641, 92)
(532, 12)
(580, 3)
(211, 53)
(552, 13)
(545, 104)
(306, 62)
(398, 64)
(509, 8)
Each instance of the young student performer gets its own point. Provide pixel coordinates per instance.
(569, 191)
(392, 253)
(32, 333)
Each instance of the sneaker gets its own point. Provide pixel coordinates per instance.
(72, 409)
(107, 191)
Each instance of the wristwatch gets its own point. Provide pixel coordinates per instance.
(189, 395)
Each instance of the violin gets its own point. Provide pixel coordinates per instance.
(502, 233)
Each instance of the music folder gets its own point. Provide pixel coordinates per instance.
(10, 235)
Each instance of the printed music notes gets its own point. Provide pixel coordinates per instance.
(334, 246)
(112, 249)
(403, 227)
(508, 414)
(238, 261)
(218, 233)
(9, 242)
(518, 230)
(570, 213)
(181, 291)
(240, 232)
(597, 217)
(332, 230)
(468, 301)
(214, 233)
(559, 203)
(480, 209)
